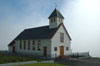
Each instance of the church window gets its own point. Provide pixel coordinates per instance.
(67, 48)
(54, 20)
(28, 45)
(20, 45)
(59, 19)
(33, 48)
(39, 43)
(24, 44)
(39, 48)
(55, 48)
(33, 44)
(61, 37)
(51, 19)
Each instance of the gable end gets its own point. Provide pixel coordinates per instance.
(64, 29)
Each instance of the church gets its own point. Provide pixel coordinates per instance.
(49, 41)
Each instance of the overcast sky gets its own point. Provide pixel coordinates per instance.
(82, 20)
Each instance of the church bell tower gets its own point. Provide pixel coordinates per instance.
(55, 19)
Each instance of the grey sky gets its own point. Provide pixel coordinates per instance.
(83, 23)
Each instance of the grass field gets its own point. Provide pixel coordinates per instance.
(43, 64)
(10, 59)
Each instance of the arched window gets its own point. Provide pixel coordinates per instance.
(55, 48)
(39, 43)
(61, 37)
(67, 48)
(51, 20)
(20, 45)
(24, 44)
(33, 44)
(54, 20)
(59, 19)
(28, 45)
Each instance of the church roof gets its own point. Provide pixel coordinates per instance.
(56, 13)
(37, 33)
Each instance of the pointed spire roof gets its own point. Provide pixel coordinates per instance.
(56, 13)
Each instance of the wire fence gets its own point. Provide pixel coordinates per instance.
(73, 61)
(79, 62)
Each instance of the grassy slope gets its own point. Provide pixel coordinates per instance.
(43, 64)
(10, 59)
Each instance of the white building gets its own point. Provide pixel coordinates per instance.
(47, 41)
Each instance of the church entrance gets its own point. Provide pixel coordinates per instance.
(61, 50)
(13, 49)
(45, 51)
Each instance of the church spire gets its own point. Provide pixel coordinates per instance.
(55, 19)
(56, 13)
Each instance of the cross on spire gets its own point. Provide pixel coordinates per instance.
(56, 5)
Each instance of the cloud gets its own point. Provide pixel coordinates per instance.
(82, 22)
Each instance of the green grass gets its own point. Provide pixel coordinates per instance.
(96, 57)
(11, 59)
(43, 64)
